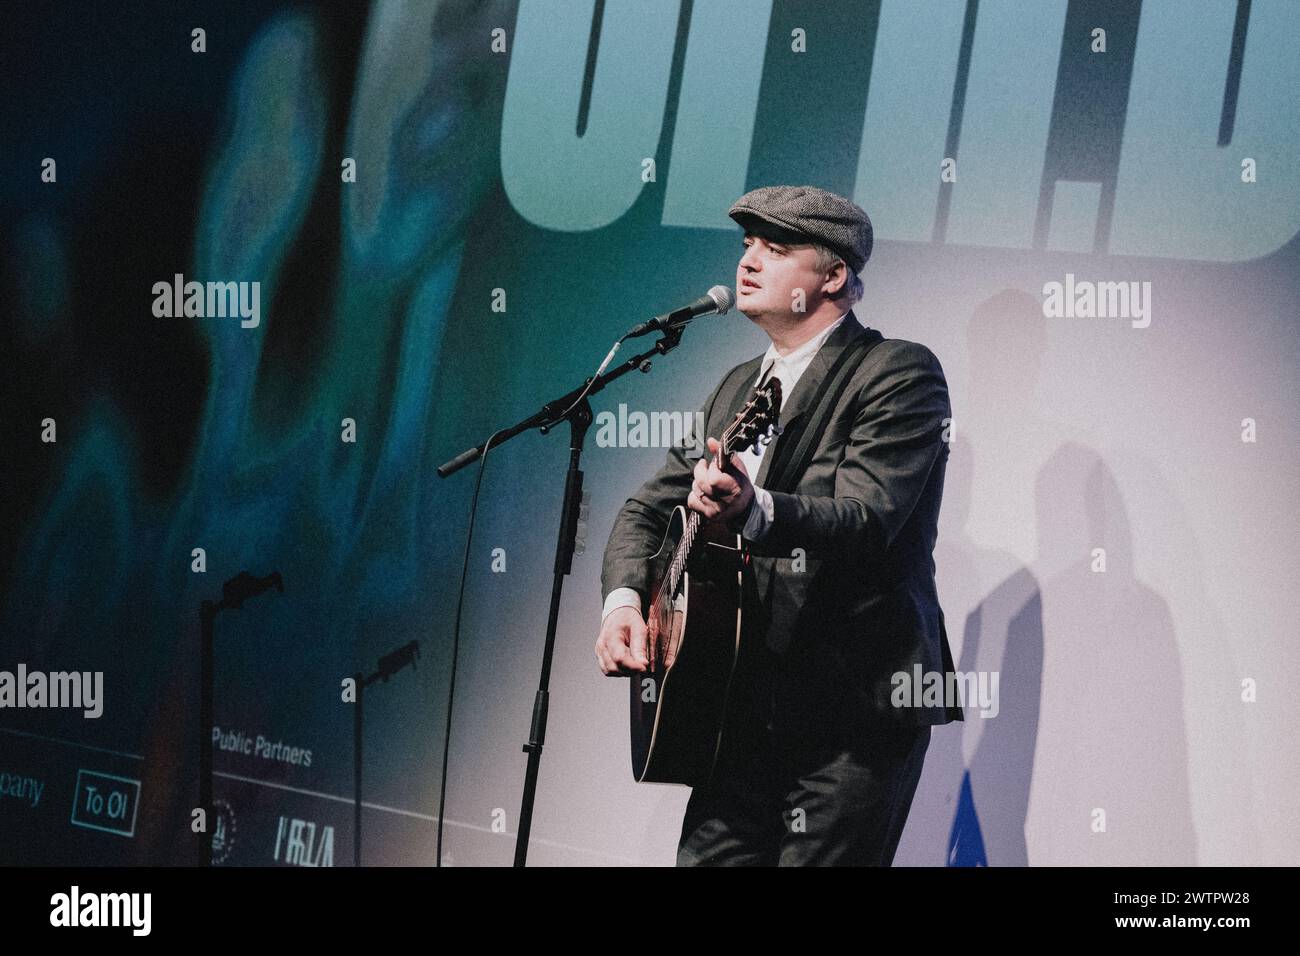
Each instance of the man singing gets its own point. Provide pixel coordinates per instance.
(825, 730)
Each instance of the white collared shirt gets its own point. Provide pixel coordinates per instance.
(789, 368)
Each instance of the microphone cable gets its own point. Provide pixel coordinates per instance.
(455, 641)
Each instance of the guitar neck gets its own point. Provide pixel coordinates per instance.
(683, 550)
(760, 411)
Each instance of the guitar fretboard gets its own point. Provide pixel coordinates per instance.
(683, 551)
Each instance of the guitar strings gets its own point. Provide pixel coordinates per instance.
(675, 568)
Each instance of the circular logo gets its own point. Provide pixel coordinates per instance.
(223, 836)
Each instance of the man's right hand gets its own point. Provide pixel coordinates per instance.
(620, 649)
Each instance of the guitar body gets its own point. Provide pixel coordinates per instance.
(693, 626)
(693, 639)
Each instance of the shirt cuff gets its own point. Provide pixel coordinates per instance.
(620, 597)
(761, 514)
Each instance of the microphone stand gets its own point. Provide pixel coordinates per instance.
(233, 595)
(574, 408)
(389, 665)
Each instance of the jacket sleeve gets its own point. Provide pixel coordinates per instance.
(641, 523)
(896, 437)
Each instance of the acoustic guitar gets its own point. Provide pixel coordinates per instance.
(693, 626)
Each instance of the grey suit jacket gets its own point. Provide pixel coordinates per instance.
(841, 585)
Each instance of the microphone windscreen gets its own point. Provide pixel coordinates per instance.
(724, 298)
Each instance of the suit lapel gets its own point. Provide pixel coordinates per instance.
(797, 403)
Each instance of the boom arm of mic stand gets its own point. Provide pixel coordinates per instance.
(551, 414)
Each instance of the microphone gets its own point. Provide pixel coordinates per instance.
(244, 586)
(390, 664)
(719, 299)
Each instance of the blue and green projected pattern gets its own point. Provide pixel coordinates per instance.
(384, 230)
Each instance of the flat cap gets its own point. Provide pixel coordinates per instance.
(819, 215)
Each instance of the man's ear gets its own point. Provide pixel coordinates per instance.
(830, 288)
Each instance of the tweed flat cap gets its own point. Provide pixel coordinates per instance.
(820, 215)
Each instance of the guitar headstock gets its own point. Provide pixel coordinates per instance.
(757, 422)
